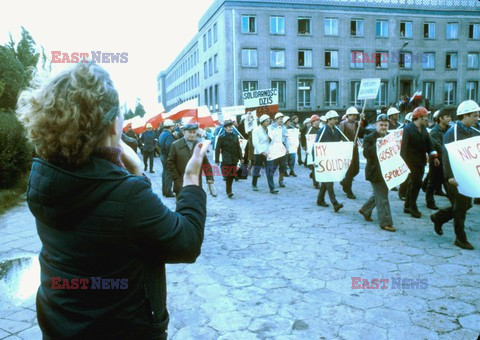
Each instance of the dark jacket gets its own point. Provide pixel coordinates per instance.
(393, 126)
(178, 158)
(165, 143)
(436, 137)
(462, 133)
(373, 173)
(101, 222)
(415, 146)
(329, 135)
(230, 148)
(148, 140)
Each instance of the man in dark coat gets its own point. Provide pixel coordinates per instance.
(180, 154)
(134, 142)
(149, 141)
(373, 174)
(229, 146)
(165, 142)
(415, 145)
(467, 112)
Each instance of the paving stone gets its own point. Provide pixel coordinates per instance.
(450, 269)
(362, 331)
(432, 320)
(194, 333)
(24, 315)
(14, 326)
(364, 300)
(471, 322)
(271, 326)
(451, 307)
(459, 334)
(412, 332)
(31, 333)
(239, 335)
(229, 322)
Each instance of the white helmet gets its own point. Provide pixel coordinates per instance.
(168, 123)
(435, 115)
(409, 116)
(331, 114)
(306, 121)
(278, 115)
(285, 119)
(323, 118)
(352, 110)
(263, 118)
(468, 106)
(392, 111)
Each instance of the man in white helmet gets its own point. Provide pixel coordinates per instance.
(349, 127)
(392, 114)
(278, 134)
(465, 127)
(261, 143)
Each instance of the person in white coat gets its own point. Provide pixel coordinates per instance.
(261, 144)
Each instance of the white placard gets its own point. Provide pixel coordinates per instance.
(332, 160)
(310, 138)
(394, 169)
(258, 98)
(464, 156)
(368, 88)
(250, 121)
(276, 150)
(293, 140)
(231, 112)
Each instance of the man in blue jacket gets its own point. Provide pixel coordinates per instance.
(165, 142)
(467, 112)
(149, 140)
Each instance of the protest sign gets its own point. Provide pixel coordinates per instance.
(262, 101)
(250, 121)
(393, 167)
(331, 160)
(310, 140)
(464, 156)
(231, 112)
(243, 144)
(293, 140)
(368, 88)
(276, 150)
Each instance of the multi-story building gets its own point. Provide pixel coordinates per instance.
(316, 53)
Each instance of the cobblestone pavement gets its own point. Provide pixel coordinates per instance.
(281, 267)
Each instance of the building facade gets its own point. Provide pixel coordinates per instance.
(316, 53)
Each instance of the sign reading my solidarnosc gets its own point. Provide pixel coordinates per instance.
(464, 156)
(393, 167)
(332, 160)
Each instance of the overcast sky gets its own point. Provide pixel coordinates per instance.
(152, 33)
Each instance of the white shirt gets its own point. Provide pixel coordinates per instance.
(260, 139)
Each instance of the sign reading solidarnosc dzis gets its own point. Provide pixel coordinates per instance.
(331, 160)
(464, 156)
(263, 101)
(394, 169)
(368, 88)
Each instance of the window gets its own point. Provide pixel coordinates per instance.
(249, 24)
(331, 59)
(474, 31)
(381, 59)
(249, 57)
(215, 33)
(205, 102)
(356, 59)
(277, 58)
(472, 90)
(210, 97)
(305, 58)
(281, 86)
(205, 70)
(250, 86)
(451, 61)
(354, 88)
(450, 91)
(428, 61)
(429, 91)
(215, 63)
(216, 97)
(381, 28)
(406, 29)
(452, 30)
(331, 93)
(356, 27)
(210, 67)
(204, 42)
(405, 60)
(277, 25)
(472, 61)
(304, 25)
(382, 95)
(429, 30)
(209, 37)
(331, 26)
(304, 93)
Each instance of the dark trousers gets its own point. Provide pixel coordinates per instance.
(291, 161)
(327, 187)
(352, 171)
(435, 182)
(312, 175)
(229, 171)
(167, 180)
(270, 168)
(457, 211)
(414, 186)
(148, 155)
(281, 163)
(402, 191)
(299, 155)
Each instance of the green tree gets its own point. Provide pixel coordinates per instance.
(27, 51)
(139, 109)
(129, 114)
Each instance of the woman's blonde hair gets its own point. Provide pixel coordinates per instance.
(67, 116)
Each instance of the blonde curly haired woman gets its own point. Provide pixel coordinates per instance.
(106, 236)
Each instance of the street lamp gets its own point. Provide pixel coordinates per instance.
(400, 58)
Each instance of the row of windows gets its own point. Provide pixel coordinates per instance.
(187, 85)
(210, 67)
(184, 67)
(358, 58)
(331, 27)
(331, 94)
(210, 98)
(210, 37)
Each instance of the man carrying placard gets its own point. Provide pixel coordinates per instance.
(278, 136)
(329, 133)
(373, 174)
(310, 137)
(261, 143)
(464, 128)
(293, 142)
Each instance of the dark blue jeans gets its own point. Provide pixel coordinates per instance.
(270, 168)
(291, 161)
(167, 180)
